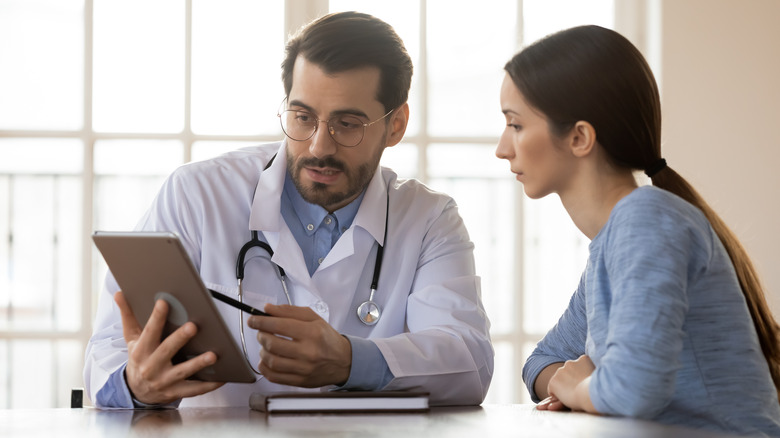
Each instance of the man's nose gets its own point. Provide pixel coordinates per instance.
(322, 143)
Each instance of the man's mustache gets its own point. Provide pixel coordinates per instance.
(322, 162)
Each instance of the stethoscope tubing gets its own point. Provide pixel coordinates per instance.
(368, 312)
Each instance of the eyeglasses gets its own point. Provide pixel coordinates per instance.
(345, 129)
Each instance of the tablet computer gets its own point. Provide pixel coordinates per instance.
(149, 266)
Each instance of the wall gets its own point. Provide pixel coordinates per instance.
(720, 75)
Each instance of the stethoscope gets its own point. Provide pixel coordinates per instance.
(368, 312)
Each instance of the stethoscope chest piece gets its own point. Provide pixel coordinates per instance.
(368, 313)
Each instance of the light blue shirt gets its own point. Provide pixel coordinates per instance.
(660, 312)
(315, 230)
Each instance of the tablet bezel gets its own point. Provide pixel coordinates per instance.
(147, 263)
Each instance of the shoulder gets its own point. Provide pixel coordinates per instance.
(652, 207)
(247, 160)
(240, 165)
(429, 220)
(659, 222)
(412, 193)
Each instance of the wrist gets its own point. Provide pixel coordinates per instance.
(346, 365)
(582, 392)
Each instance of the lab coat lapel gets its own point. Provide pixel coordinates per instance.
(266, 217)
(372, 213)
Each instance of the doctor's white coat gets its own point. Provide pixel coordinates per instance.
(433, 331)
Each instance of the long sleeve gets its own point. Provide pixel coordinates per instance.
(565, 341)
(649, 257)
(369, 370)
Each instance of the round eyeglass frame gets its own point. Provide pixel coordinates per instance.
(331, 129)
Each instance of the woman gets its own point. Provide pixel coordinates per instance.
(669, 321)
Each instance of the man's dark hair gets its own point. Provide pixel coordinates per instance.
(348, 40)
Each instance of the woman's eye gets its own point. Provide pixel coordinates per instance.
(514, 126)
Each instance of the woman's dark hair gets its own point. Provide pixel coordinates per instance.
(594, 74)
(348, 40)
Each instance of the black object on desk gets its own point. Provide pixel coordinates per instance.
(76, 398)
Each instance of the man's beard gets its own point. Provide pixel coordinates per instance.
(318, 193)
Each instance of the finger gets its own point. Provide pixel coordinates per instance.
(191, 388)
(281, 378)
(544, 404)
(164, 383)
(279, 346)
(281, 313)
(291, 328)
(293, 312)
(131, 330)
(286, 365)
(174, 342)
(557, 405)
(184, 370)
(152, 332)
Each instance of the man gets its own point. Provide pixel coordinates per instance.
(326, 208)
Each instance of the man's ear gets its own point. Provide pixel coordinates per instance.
(398, 121)
(582, 139)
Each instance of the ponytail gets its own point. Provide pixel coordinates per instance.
(767, 328)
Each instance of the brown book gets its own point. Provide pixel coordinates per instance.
(340, 401)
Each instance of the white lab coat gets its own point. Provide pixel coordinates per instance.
(433, 332)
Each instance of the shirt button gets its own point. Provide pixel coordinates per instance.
(310, 227)
(328, 220)
(319, 260)
(320, 307)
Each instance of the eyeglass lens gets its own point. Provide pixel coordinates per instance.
(346, 129)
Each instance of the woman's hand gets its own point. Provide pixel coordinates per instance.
(551, 404)
(569, 387)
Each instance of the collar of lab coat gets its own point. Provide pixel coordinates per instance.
(266, 213)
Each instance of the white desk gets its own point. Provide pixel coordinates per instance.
(472, 422)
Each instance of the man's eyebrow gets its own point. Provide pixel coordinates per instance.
(351, 111)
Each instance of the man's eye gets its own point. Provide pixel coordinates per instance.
(348, 123)
(303, 118)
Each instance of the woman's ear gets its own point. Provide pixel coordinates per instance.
(398, 121)
(582, 138)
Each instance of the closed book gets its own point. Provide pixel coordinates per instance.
(340, 401)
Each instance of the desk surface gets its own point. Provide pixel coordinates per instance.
(482, 422)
